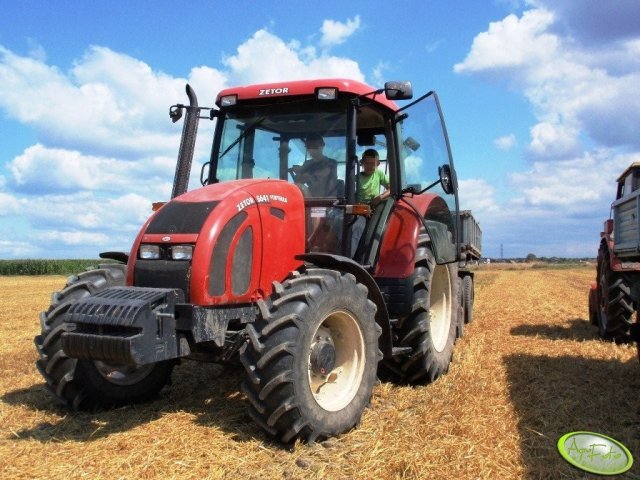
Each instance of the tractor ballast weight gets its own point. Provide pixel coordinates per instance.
(265, 267)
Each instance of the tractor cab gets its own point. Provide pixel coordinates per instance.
(629, 181)
(313, 134)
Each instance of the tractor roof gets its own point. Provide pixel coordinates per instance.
(633, 166)
(304, 87)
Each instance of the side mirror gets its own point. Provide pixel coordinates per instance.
(446, 179)
(411, 143)
(398, 90)
(175, 112)
(204, 178)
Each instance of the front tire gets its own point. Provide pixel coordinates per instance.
(86, 384)
(312, 356)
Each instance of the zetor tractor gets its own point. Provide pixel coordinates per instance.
(263, 265)
(615, 295)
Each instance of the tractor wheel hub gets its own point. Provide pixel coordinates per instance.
(323, 358)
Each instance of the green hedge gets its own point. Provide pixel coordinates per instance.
(46, 267)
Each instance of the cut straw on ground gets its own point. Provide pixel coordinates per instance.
(529, 369)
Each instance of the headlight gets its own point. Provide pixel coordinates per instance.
(326, 93)
(149, 252)
(228, 100)
(182, 252)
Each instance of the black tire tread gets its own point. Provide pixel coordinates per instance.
(59, 371)
(618, 314)
(268, 357)
(423, 365)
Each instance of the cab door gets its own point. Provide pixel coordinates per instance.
(425, 167)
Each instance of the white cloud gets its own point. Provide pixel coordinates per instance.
(478, 195)
(582, 185)
(576, 90)
(103, 132)
(9, 205)
(64, 170)
(553, 141)
(41, 170)
(36, 51)
(267, 58)
(558, 211)
(506, 142)
(85, 210)
(74, 237)
(108, 102)
(593, 22)
(18, 249)
(511, 43)
(335, 33)
(378, 73)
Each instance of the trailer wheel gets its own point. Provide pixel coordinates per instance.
(430, 329)
(616, 309)
(86, 384)
(312, 356)
(461, 312)
(468, 298)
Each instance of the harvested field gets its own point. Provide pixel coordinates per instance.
(529, 369)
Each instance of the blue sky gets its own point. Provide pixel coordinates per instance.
(540, 99)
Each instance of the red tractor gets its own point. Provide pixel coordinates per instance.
(262, 264)
(615, 295)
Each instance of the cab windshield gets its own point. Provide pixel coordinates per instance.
(279, 142)
(257, 143)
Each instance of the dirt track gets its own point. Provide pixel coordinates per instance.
(529, 369)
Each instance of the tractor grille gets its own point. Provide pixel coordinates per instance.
(163, 274)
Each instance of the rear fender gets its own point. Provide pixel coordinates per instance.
(398, 248)
(615, 263)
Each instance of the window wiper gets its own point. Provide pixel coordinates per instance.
(247, 131)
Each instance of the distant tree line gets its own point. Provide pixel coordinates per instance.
(532, 258)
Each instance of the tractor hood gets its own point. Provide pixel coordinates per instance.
(187, 213)
(210, 243)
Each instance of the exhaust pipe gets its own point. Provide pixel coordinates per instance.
(187, 143)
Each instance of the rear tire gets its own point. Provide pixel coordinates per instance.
(312, 356)
(593, 307)
(85, 384)
(430, 329)
(616, 309)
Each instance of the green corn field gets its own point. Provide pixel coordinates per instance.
(45, 267)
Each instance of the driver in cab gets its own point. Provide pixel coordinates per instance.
(319, 172)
